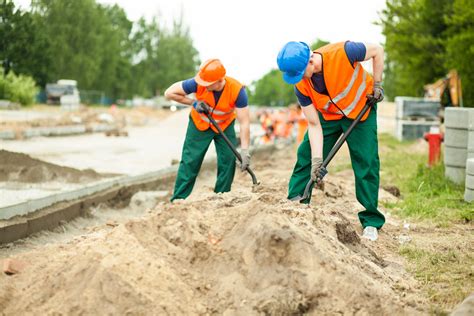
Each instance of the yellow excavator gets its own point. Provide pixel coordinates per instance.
(447, 91)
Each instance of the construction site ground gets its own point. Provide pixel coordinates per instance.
(250, 251)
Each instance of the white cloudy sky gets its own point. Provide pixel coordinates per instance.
(247, 34)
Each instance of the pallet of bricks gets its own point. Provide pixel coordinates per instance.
(415, 117)
(459, 148)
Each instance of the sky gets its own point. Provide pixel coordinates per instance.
(246, 35)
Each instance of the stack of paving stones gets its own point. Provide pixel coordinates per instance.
(459, 142)
(415, 117)
(469, 192)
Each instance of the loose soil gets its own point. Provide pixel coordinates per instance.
(18, 167)
(247, 252)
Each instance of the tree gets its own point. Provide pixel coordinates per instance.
(460, 46)
(415, 33)
(271, 90)
(22, 46)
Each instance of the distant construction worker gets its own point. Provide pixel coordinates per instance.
(332, 88)
(226, 99)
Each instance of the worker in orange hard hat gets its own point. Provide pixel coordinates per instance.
(226, 100)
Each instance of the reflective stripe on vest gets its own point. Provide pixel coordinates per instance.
(217, 112)
(206, 119)
(344, 93)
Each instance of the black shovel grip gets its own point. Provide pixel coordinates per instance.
(338, 145)
(231, 146)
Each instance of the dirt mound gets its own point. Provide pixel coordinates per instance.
(20, 167)
(242, 252)
(226, 253)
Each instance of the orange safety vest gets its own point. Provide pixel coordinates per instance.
(223, 112)
(347, 85)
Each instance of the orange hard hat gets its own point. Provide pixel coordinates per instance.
(210, 72)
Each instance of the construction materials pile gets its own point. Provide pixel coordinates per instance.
(243, 251)
(18, 167)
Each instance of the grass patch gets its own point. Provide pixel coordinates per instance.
(443, 274)
(426, 193)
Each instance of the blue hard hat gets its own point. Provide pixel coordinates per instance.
(292, 61)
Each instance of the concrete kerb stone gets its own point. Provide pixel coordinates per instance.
(455, 157)
(456, 118)
(8, 134)
(470, 166)
(23, 219)
(470, 181)
(455, 174)
(469, 195)
(456, 137)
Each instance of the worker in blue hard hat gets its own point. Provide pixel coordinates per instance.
(332, 88)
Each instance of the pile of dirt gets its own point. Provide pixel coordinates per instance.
(20, 167)
(240, 252)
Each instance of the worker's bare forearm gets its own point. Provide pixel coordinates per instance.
(181, 99)
(376, 53)
(176, 93)
(315, 131)
(244, 135)
(315, 134)
(243, 116)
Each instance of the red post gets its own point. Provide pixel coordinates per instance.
(434, 138)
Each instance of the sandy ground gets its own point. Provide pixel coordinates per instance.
(246, 252)
(147, 148)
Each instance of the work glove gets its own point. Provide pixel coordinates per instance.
(317, 170)
(245, 154)
(200, 106)
(378, 91)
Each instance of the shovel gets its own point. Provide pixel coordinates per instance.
(334, 150)
(229, 143)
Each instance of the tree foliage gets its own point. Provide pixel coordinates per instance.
(271, 90)
(97, 45)
(424, 40)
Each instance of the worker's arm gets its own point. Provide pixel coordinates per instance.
(176, 93)
(376, 53)
(243, 116)
(315, 131)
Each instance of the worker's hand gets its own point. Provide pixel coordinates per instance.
(317, 170)
(201, 107)
(378, 91)
(245, 159)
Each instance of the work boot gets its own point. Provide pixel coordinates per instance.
(370, 233)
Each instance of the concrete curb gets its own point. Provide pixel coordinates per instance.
(24, 219)
(57, 131)
(455, 174)
(455, 157)
(469, 181)
(470, 166)
(456, 118)
(8, 134)
(456, 137)
(469, 195)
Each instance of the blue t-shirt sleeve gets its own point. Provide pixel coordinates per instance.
(190, 86)
(355, 51)
(302, 99)
(242, 100)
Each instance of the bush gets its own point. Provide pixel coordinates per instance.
(18, 88)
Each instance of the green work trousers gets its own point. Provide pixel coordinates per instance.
(194, 149)
(363, 148)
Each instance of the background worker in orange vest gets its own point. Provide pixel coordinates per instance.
(332, 87)
(226, 99)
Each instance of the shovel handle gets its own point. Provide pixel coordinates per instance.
(338, 145)
(231, 146)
